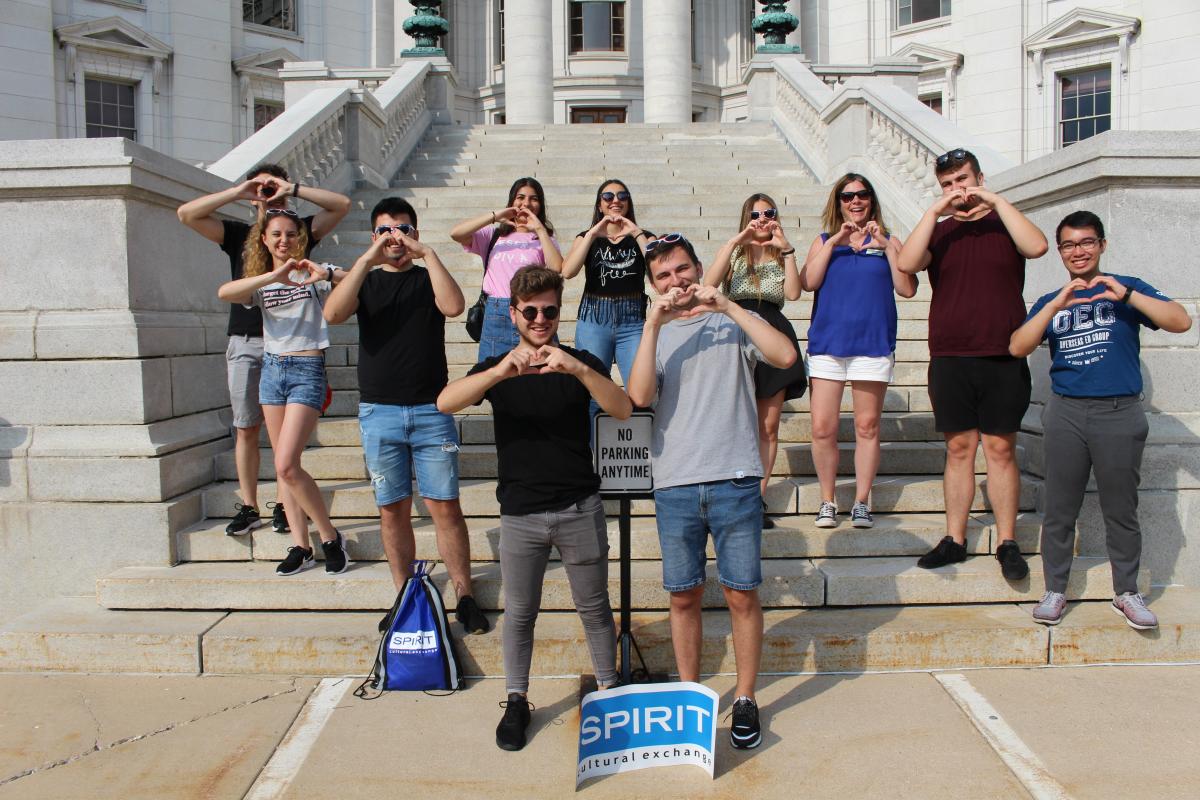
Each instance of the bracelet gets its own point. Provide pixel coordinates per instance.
(493, 217)
(786, 253)
(1126, 296)
(296, 189)
(329, 274)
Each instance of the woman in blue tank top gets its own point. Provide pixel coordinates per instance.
(851, 269)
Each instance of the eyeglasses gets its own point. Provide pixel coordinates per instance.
(861, 194)
(286, 212)
(608, 197)
(670, 238)
(530, 313)
(770, 213)
(1087, 245)
(955, 155)
(403, 227)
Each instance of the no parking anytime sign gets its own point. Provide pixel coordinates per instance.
(622, 453)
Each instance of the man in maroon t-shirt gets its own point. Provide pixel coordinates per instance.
(976, 261)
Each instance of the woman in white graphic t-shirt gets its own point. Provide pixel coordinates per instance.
(290, 290)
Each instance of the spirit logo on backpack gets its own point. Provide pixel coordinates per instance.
(416, 652)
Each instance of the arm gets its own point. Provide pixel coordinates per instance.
(343, 300)
(470, 390)
(447, 294)
(1025, 339)
(334, 207)
(1166, 314)
(463, 231)
(904, 283)
(719, 268)
(777, 350)
(198, 214)
(643, 378)
(242, 290)
(1028, 238)
(554, 259)
(816, 263)
(573, 261)
(915, 255)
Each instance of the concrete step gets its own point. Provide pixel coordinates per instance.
(794, 536)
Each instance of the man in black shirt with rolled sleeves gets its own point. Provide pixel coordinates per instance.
(402, 310)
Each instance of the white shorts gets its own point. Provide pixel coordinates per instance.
(852, 368)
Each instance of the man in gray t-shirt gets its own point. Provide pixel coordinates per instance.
(695, 366)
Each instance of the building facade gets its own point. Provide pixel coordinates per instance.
(194, 79)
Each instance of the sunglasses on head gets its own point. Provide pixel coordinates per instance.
(956, 155)
(403, 227)
(861, 194)
(530, 313)
(608, 197)
(770, 213)
(670, 238)
(285, 212)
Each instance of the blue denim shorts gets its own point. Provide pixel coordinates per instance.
(399, 441)
(292, 379)
(732, 511)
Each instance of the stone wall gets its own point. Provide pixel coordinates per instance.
(112, 375)
(1144, 188)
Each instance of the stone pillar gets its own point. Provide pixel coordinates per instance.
(383, 33)
(528, 63)
(667, 60)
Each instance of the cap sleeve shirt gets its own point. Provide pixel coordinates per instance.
(292, 319)
(705, 417)
(243, 320)
(854, 311)
(742, 283)
(978, 277)
(543, 437)
(1095, 347)
(511, 252)
(402, 338)
(614, 269)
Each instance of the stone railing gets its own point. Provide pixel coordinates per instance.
(337, 132)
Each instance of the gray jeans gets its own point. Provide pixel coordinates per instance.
(581, 536)
(1107, 435)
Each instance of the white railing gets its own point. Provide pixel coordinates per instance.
(342, 137)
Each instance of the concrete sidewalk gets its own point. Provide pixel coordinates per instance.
(1081, 732)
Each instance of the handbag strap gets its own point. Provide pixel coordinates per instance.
(487, 254)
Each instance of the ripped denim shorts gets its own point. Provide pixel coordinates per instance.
(400, 441)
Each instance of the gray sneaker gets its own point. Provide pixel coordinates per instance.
(826, 515)
(1050, 610)
(860, 516)
(1132, 606)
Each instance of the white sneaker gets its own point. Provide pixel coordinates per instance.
(826, 515)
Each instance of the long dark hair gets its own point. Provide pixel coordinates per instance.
(504, 229)
(597, 214)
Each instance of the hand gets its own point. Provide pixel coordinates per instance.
(316, 272)
(670, 305)
(625, 226)
(878, 237)
(379, 251)
(413, 246)
(747, 235)
(529, 221)
(778, 240)
(513, 364)
(252, 189)
(982, 197)
(272, 189)
(283, 273)
(843, 234)
(555, 359)
(1113, 289)
(941, 206)
(506, 214)
(705, 299)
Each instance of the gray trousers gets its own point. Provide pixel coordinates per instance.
(581, 536)
(1106, 435)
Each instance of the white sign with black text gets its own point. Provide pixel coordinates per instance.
(622, 452)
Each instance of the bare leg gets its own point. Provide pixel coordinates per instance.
(246, 456)
(825, 402)
(958, 483)
(769, 409)
(868, 407)
(687, 632)
(453, 545)
(399, 544)
(1004, 481)
(297, 521)
(745, 611)
(298, 423)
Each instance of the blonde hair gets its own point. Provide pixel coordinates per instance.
(256, 259)
(832, 218)
(771, 253)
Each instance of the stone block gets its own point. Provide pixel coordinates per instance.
(118, 334)
(1169, 379)
(904, 493)
(154, 439)
(109, 480)
(1090, 633)
(198, 383)
(76, 635)
(17, 335)
(126, 392)
(1169, 521)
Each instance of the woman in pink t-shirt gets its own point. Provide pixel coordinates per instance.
(519, 235)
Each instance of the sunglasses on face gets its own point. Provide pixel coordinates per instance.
(281, 212)
(403, 227)
(861, 194)
(608, 197)
(770, 213)
(955, 155)
(670, 238)
(530, 313)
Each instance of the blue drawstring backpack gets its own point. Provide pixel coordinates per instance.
(416, 652)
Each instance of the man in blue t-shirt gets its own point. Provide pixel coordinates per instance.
(1094, 420)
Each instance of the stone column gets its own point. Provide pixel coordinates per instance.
(667, 60)
(528, 63)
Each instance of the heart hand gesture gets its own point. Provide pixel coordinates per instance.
(1113, 289)
(1066, 297)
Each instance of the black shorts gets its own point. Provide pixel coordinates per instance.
(985, 393)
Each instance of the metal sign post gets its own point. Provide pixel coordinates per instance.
(621, 452)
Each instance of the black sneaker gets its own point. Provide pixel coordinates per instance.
(745, 733)
(297, 559)
(1012, 563)
(768, 523)
(470, 617)
(246, 520)
(279, 522)
(947, 551)
(336, 561)
(510, 733)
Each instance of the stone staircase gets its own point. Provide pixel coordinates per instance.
(840, 599)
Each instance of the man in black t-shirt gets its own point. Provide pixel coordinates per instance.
(548, 487)
(266, 186)
(402, 310)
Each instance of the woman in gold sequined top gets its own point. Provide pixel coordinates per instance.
(757, 270)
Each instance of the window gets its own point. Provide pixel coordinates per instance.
(597, 26)
(933, 101)
(1085, 104)
(264, 113)
(499, 31)
(270, 13)
(109, 108)
(911, 11)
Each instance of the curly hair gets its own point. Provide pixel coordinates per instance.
(256, 259)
